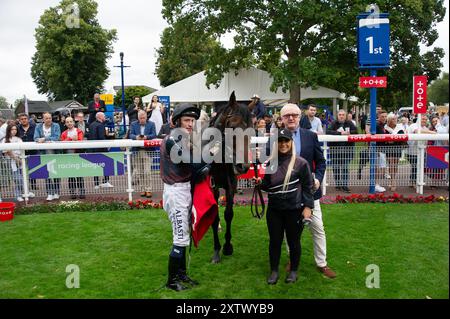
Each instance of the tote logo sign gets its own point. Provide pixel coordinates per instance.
(76, 165)
(420, 94)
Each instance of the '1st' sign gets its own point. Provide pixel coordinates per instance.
(420, 94)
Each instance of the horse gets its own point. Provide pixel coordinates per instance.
(224, 175)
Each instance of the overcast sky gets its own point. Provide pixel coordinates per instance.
(138, 23)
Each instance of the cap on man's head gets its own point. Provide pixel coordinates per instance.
(285, 134)
(290, 108)
(255, 96)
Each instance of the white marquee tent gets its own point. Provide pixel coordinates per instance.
(245, 83)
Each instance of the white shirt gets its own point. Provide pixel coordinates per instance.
(47, 131)
(316, 125)
(14, 139)
(73, 133)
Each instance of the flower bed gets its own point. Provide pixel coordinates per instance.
(394, 198)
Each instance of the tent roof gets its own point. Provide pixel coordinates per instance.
(245, 83)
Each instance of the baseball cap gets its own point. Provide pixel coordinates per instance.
(284, 133)
(255, 96)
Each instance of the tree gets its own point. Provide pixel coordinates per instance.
(71, 51)
(131, 92)
(185, 50)
(438, 90)
(310, 42)
(3, 103)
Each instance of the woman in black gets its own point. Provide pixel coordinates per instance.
(290, 201)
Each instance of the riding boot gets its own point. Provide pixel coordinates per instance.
(182, 273)
(173, 282)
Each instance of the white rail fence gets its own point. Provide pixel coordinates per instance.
(397, 166)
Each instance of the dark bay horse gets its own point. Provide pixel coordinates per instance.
(232, 115)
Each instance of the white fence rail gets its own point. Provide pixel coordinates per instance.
(397, 166)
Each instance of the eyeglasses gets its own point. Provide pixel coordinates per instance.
(294, 116)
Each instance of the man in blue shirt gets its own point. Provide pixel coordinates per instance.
(307, 146)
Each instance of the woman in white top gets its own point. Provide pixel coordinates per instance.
(14, 157)
(156, 109)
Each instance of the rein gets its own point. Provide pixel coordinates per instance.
(257, 198)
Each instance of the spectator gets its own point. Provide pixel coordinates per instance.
(259, 108)
(277, 123)
(443, 118)
(155, 110)
(62, 122)
(81, 124)
(134, 108)
(94, 107)
(316, 123)
(350, 118)
(74, 134)
(268, 119)
(49, 132)
(413, 148)
(341, 153)
(26, 133)
(393, 149)
(363, 121)
(380, 169)
(97, 132)
(367, 127)
(3, 126)
(166, 128)
(404, 122)
(261, 127)
(16, 163)
(291, 200)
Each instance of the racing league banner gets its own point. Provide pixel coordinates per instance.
(76, 165)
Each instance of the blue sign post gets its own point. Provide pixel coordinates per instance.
(373, 53)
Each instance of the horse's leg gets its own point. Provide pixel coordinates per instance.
(228, 247)
(215, 226)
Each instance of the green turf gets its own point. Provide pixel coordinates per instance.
(124, 255)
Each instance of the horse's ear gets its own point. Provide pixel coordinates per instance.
(232, 100)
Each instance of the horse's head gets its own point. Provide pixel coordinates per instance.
(235, 116)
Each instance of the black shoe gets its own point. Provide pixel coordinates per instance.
(273, 278)
(176, 285)
(291, 277)
(186, 279)
(173, 281)
(346, 189)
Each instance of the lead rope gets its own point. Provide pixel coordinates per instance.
(257, 196)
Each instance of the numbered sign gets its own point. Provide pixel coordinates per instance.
(373, 41)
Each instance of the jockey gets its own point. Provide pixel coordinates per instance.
(177, 172)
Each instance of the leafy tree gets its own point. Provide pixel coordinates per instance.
(310, 42)
(131, 92)
(3, 103)
(185, 50)
(71, 51)
(438, 90)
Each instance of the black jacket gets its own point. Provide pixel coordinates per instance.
(132, 113)
(333, 130)
(164, 131)
(298, 193)
(92, 110)
(97, 132)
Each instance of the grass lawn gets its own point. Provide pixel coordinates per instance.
(124, 255)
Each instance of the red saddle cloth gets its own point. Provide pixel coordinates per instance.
(204, 209)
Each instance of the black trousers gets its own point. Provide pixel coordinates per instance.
(280, 222)
(76, 183)
(412, 159)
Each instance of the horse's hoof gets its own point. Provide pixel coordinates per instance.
(216, 258)
(228, 249)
